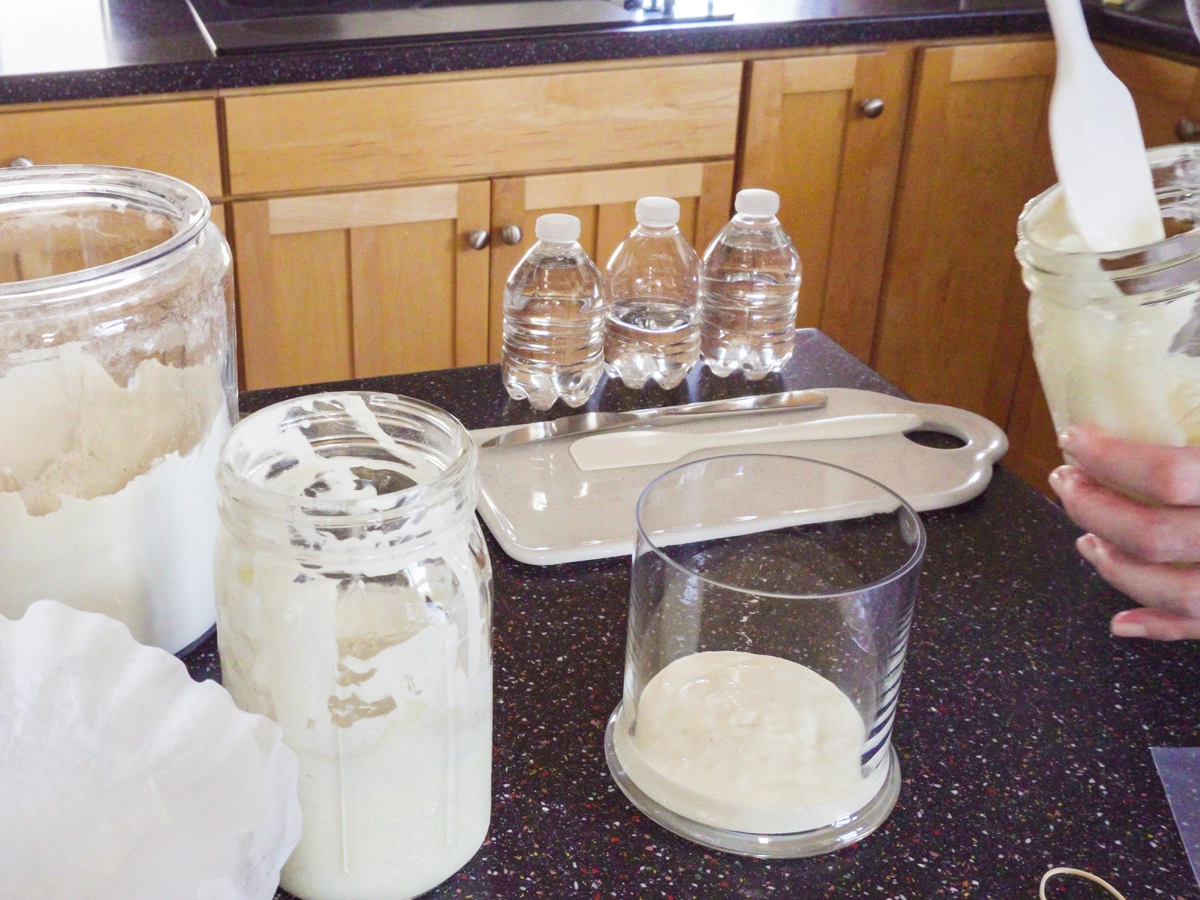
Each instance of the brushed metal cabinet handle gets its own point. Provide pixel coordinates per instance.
(479, 238)
(511, 235)
(871, 108)
(19, 162)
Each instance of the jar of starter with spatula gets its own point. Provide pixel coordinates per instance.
(1111, 257)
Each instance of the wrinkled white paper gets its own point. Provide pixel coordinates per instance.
(123, 779)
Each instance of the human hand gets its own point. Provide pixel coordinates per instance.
(1140, 504)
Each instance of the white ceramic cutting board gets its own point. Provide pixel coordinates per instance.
(544, 510)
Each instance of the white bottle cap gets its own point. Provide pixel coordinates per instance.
(657, 212)
(756, 202)
(557, 228)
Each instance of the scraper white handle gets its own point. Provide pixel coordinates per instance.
(623, 449)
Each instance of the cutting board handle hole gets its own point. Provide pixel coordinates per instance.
(938, 440)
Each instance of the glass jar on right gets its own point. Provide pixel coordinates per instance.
(1116, 336)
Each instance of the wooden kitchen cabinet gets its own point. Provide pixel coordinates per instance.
(176, 137)
(952, 324)
(604, 202)
(325, 293)
(357, 284)
(365, 283)
(825, 132)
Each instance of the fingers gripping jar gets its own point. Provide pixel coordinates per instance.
(354, 608)
(118, 383)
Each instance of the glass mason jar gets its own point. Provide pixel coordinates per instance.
(354, 609)
(118, 382)
(1116, 336)
(770, 605)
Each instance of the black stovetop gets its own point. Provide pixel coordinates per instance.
(245, 26)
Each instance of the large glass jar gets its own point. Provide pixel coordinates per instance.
(1116, 336)
(118, 383)
(354, 608)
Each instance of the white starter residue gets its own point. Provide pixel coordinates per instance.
(375, 660)
(748, 742)
(108, 498)
(1105, 358)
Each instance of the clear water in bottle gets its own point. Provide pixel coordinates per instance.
(749, 288)
(553, 343)
(652, 327)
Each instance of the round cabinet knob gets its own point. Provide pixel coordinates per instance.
(1187, 129)
(872, 108)
(511, 235)
(19, 162)
(479, 238)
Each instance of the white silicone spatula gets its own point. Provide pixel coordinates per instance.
(623, 449)
(1097, 143)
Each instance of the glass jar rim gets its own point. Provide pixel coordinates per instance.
(153, 191)
(343, 513)
(1134, 261)
(902, 505)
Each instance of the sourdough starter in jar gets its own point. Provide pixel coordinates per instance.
(354, 603)
(1116, 336)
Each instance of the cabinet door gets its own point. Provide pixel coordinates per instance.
(1163, 91)
(604, 201)
(825, 132)
(354, 285)
(953, 318)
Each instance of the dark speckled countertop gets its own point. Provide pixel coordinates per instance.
(57, 50)
(1024, 729)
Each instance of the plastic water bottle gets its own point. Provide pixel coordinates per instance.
(749, 286)
(553, 319)
(652, 327)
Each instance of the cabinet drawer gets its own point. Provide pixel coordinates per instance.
(480, 127)
(177, 138)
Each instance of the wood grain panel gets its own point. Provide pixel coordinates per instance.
(1144, 72)
(1034, 451)
(363, 209)
(952, 320)
(1005, 59)
(403, 287)
(834, 170)
(612, 186)
(508, 208)
(763, 117)
(495, 125)
(177, 138)
(862, 217)
(819, 73)
(811, 155)
(471, 276)
(715, 206)
(1161, 88)
(294, 302)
